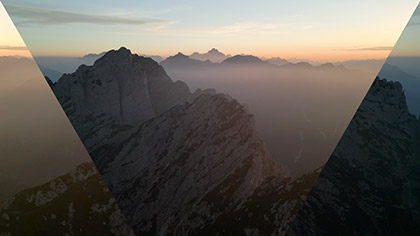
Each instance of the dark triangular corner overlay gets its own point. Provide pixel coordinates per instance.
(371, 183)
(49, 185)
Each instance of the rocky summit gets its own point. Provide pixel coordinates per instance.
(129, 88)
(177, 162)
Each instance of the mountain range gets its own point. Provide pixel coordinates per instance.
(54, 67)
(181, 59)
(177, 162)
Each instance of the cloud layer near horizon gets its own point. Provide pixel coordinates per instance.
(8, 47)
(380, 48)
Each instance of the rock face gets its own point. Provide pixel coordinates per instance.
(176, 162)
(51, 208)
(371, 183)
(129, 88)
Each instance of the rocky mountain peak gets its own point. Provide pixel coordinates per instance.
(122, 55)
(212, 55)
(181, 55)
(215, 51)
(178, 58)
(130, 88)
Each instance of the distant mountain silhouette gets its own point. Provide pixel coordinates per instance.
(64, 65)
(301, 65)
(156, 58)
(278, 61)
(407, 64)
(93, 55)
(308, 66)
(330, 66)
(297, 60)
(182, 60)
(371, 65)
(245, 60)
(212, 55)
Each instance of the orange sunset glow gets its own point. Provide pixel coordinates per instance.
(11, 44)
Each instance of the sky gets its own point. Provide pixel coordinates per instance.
(408, 43)
(11, 44)
(316, 30)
